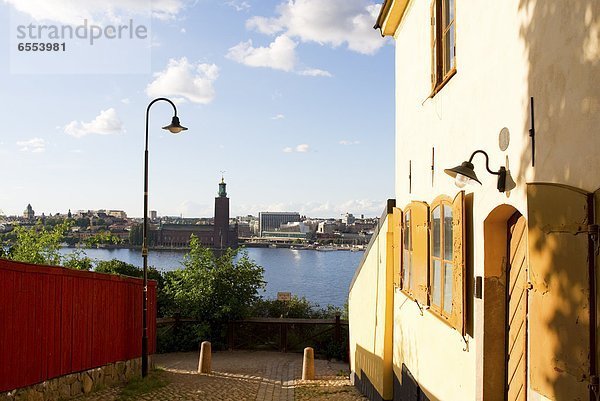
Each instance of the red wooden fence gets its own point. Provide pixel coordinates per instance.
(55, 321)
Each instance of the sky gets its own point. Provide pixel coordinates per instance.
(292, 99)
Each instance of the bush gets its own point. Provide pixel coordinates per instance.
(299, 308)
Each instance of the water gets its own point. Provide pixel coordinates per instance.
(321, 277)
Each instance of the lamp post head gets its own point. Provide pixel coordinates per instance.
(175, 127)
(463, 174)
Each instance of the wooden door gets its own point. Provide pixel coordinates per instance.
(516, 310)
(559, 299)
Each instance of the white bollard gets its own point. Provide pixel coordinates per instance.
(308, 364)
(205, 358)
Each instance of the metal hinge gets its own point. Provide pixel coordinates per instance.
(595, 385)
(590, 229)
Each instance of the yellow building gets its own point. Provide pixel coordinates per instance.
(488, 292)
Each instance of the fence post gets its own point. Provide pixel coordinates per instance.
(231, 335)
(176, 324)
(337, 332)
(283, 337)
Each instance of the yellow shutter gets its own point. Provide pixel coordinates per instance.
(397, 245)
(559, 299)
(457, 317)
(420, 266)
(433, 46)
(597, 221)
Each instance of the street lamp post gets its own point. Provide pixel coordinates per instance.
(174, 128)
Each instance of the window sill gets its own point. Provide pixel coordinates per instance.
(446, 320)
(443, 83)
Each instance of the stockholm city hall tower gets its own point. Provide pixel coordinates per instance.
(224, 237)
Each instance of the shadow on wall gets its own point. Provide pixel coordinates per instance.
(370, 367)
(562, 39)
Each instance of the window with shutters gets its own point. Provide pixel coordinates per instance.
(443, 43)
(442, 265)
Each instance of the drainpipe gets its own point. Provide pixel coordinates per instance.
(593, 232)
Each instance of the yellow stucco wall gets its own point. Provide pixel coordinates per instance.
(506, 51)
(370, 314)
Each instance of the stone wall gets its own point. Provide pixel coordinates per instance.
(74, 384)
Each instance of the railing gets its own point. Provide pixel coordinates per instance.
(327, 336)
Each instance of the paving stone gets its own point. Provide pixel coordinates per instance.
(243, 376)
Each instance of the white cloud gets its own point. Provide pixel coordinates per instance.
(302, 148)
(74, 12)
(239, 5)
(315, 72)
(347, 143)
(126, 101)
(106, 123)
(278, 117)
(368, 207)
(182, 30)
(280, 55)
(189, 208)
(185, 81)
(33, 145)
(331, 22)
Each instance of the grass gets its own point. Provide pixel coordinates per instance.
(140, 386)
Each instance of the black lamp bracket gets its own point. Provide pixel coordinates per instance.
(501, 173)
(487, 161)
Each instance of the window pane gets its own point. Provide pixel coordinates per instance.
(451, 48)
(406, 270)
(437, 282)
(447, 232)
(450, 10)
(446, 12)
(410, 272)
(448, 280)
(436, 232)
(446, 51)
(407, 231)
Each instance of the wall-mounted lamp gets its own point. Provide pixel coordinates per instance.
(465, 173)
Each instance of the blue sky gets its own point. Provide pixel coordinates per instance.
(294, 100)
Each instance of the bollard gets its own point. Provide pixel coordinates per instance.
(205, 358)
(308, 364)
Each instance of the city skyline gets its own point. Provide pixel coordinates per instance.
(300, 115)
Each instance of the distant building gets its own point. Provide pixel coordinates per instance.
(153, 215)
(272, 221)
(294, 227)
(244, 229)
(348, 219)
(326, 227)
(120, 214)
(29, 213)
(218, 235)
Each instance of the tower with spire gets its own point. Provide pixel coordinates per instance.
(221, 233)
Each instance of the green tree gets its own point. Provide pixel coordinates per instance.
(114, 266)
(37, 244)
(212, 288)
(40, 245)
(77, 260)
(102, 238)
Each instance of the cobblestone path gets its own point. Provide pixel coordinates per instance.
(243, 376)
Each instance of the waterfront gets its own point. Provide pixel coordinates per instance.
(322, 277)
